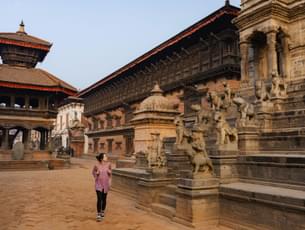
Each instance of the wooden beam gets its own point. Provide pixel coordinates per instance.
(185, 51)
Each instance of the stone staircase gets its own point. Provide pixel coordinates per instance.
(167, 203)
(271, 189)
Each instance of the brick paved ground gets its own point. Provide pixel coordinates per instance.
(65, 199)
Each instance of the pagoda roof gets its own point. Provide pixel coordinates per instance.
(25, 40)
(225, 10)
(32, 79)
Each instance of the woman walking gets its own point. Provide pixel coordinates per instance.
(102, 175)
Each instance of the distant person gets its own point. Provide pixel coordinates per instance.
(102, 175)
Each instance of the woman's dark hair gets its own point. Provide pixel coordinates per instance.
(100, 157)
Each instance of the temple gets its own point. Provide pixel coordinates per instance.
(29, 96)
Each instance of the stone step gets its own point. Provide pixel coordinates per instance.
(171, 189)
(168, 199)
(163, 210)
(255, 206)
(267, 194)
(276, 168)
(11, 165)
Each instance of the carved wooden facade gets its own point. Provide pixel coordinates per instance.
(204, 52)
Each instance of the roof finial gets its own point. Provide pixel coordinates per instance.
(21, 28)
(227, 3)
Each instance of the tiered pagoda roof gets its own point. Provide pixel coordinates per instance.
(20, 53)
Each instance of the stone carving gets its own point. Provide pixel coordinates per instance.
(227, 100)
(18, 151)
(261, 91)
(215, 100)
(76, 123)
(203, 117)
(155, 154)
(195, 149)
(180, 130)
(225, 134)
(246, 110)
(279, 86)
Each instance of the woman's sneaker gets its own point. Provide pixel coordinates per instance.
(99, 217)
(102, 214)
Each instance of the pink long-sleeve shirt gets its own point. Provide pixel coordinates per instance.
(102, 174)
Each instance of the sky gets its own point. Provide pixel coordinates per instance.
(93, 38)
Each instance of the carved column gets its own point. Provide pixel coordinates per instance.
(42, 139)
(272, 55)
(244, 52)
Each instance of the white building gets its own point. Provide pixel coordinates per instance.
(71, 110)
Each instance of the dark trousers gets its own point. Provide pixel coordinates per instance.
(101, 201)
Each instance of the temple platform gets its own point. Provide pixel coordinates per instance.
(12, 165)
(34, 160)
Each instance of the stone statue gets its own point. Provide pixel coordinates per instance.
(182, 133)
(246, 110)
(76, 123)
(227, 100)
(179, 129)
(155, 153)
(279, 86)
(215, 100)
(225, 134)
(261, 92)
(195, 149)
(76, 128)
(203, 117)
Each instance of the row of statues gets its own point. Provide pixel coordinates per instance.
(192, 140)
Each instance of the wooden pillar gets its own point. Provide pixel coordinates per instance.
(27, 102)
(12, 101)
(42, 140)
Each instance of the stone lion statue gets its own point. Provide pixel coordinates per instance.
(195, 149)
(225, 133)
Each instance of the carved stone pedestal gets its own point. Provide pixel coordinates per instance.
(264, 114)
(248, 140)
(127, 162)
(225, 167)
(197, 202)
(149, 188)
(278, 103)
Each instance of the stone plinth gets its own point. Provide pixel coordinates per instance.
(149, 189)
(197, 202)
(126, 163)
(225, 165)
(125, 181)
(248, 140)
